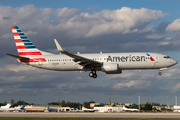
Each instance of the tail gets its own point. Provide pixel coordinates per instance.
(7, 106)
(48, 107)
(22, 107)
(25, 47)
(83, 108)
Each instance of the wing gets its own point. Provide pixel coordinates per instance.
(88, 63)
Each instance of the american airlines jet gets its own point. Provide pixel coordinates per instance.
(110, 63)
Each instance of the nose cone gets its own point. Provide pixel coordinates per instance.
(174, 62)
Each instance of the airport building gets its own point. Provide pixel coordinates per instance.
(176, 108)
(163, 107)
(44, 108)
(92, 105)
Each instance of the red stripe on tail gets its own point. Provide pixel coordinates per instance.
(29, 53)
(13, 27)
(18, 40)
(21, 47)
(15, 34)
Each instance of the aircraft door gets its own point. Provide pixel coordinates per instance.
(156, 61)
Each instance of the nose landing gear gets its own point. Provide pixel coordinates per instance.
(93, 74)
(160, 73)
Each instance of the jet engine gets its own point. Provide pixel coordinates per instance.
(111, 68)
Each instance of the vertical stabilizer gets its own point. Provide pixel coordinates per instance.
(24, 46)
(22, 108)
(7, 106)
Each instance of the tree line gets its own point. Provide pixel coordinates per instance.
(72, 104)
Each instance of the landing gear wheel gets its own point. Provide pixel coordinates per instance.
(95, 76)
(160, 73)
(91, 74)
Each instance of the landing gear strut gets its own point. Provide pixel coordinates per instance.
(93, 74)
(160, 73)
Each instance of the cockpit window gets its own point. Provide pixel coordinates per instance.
(167, 57)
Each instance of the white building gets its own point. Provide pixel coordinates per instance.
(176, 108)
(108, 109)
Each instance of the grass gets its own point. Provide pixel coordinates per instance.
(26, 118)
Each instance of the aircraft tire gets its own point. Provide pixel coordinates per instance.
(160, 73)
(95, 76)
(91, 74)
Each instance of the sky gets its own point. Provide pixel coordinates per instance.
(89, 27)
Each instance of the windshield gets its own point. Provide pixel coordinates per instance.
(167, 57)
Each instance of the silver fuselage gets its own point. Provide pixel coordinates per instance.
(126, 61)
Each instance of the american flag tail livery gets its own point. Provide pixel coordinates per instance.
(26, 50)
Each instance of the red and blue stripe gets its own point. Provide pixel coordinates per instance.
(25, 47)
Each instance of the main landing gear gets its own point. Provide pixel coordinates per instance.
(93, 74)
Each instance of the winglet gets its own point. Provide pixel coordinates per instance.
(60, 49)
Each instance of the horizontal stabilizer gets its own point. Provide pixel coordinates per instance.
(17, 57)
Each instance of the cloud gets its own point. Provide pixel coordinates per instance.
(133, 83)
(121, 30)
(177, 87)
(164, 43)
(80, 24)
(174, 26)
(124, 20)
(155, 36)
(17, 68)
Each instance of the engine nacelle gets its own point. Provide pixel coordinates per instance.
(111, 68)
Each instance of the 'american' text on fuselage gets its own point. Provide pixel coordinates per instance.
(126, 58)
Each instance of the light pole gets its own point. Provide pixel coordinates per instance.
(139, 103)
(176, 100)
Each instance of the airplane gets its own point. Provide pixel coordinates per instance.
(84, 110)
(128, 109)
(88, 110)
(110, 63)
(76, 110)
(6, 106)
(12, 109)
(52, 109)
